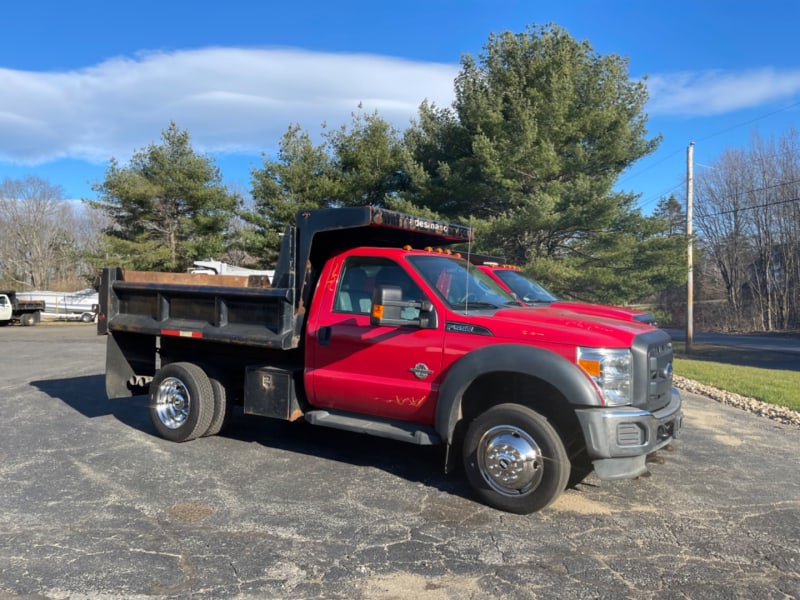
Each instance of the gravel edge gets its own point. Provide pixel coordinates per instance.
(781, 414)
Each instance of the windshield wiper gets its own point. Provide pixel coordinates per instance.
(537, 301)
(475, 304)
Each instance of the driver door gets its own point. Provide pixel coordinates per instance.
(384, 371)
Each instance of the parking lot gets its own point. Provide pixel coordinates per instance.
(94, 505)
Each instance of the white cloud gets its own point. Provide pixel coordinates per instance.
(229, 99)
(718, 92)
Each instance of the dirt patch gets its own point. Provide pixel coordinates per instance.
(409, 585)
(191, 512)
(574, 502)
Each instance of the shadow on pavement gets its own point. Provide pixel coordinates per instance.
(87, 395)
(420, 464)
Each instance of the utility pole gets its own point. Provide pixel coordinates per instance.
(690, 275)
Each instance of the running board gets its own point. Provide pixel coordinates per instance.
(402, 431)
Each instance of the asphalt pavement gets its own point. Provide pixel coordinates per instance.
(782, 344)
(94, 505)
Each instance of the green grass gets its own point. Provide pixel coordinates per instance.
(767, 376)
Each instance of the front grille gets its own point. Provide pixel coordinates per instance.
(652, 370)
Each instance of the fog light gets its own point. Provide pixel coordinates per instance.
(630, 434)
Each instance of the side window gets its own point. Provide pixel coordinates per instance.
(354, 294)
(361, 275)
(392, 274)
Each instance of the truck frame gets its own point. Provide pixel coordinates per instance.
(526, 400)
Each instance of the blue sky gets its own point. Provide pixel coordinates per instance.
(84, 81)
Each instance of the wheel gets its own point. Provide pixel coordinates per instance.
(87, 317)
(28, 319)
(514, 459)
(222, 406)
(181, 402)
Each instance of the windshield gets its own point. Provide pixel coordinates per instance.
(460, 284)
(527, 290)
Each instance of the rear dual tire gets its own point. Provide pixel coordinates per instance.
(181, 402)
(222, 406)
(187, 403)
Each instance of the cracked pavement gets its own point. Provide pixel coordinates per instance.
(94, 505)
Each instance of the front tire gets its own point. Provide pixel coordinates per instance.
(181, 402)
(514, 459)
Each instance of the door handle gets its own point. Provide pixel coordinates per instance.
(324, 336)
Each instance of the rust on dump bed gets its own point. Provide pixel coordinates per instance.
(246, 281)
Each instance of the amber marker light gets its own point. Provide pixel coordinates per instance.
(592, 367)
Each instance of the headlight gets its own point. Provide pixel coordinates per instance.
(611, 371)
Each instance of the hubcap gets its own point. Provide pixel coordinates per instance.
(172, 402)
(510, 460)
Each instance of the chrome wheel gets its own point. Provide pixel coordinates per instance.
(510, 460)
(181, 401)
(514, 459)
(172, 401)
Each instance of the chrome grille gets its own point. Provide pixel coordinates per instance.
(652, 360)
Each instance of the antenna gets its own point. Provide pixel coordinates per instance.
(469, 262)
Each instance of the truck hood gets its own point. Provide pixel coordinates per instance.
(558, 325)
(605, 310)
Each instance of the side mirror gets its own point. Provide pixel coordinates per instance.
(389, 308)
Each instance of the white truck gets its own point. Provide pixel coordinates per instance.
(13, 310)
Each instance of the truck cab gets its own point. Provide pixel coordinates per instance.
(5, 309)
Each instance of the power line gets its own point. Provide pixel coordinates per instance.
(772, 186)
(753, 120)
(708, 137)
(753, 207)
(660, 195)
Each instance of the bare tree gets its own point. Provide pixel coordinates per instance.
(787, 207)
(720, 214)
(748, 214)
(38, 234)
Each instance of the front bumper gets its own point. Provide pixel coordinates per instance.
(618, 439)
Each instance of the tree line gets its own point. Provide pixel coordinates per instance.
(528, 154)
(747, 210)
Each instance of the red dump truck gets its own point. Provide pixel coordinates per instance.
(370, 326)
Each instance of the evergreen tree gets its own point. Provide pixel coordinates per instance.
(365, 162)
(301, 177)
(167, 207)
(540, 130)
(369, 161)
(671, 211)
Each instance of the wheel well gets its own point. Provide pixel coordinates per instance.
(502, 387)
